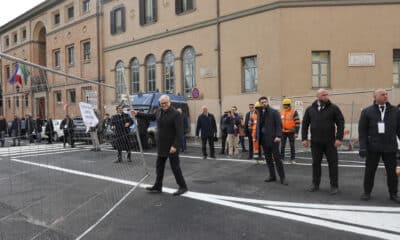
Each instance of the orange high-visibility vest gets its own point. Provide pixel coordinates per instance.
(288, 120)
(256, 144)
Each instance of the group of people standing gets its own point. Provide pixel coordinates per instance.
(268, 130)
(19, 128)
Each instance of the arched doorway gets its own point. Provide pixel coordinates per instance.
(39, 41)
(39, 78)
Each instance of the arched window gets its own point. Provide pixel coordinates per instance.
(135, 87)
(189, 71)
(151, 73)
(120, 87)
(169, 72)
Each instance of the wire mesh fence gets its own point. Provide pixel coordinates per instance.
(58, 179)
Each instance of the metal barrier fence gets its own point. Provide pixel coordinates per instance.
(350, 103)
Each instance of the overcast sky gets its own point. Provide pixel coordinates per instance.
(12, 9)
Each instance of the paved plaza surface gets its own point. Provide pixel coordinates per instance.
(51, 192)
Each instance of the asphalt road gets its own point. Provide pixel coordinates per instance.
(51, 192)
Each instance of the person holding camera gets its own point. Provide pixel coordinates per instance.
(208, 127)
(378, 129)
(232, 122)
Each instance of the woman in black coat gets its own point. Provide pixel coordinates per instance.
(120, 123)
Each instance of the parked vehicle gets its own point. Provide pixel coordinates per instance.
(58, 133)
(149, 103)
(80, 130)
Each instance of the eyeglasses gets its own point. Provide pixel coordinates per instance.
(164, 103)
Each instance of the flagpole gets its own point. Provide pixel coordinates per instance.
(12, 58)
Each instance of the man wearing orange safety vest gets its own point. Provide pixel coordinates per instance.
(290, 127)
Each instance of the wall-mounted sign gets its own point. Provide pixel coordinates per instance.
(361, 59)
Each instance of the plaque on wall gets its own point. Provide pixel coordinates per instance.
(361, 59)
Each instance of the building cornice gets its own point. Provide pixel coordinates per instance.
(28, 15)
(249, 12)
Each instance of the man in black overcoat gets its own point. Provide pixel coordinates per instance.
(169, 139)
(378, 129)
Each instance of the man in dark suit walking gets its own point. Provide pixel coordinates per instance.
(327, 127)
(169, 139)
(208, 128)
(270, 133)
(378, 129)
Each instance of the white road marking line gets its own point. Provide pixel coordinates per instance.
(328, 223)
(255, 161)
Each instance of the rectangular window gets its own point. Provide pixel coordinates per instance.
(182, 6)
(86, 6)
(86, 51)
(57, 59)
(148, 11)
(70, 11)
(15, 36)
(56, 18)
(7, 41)
(8, 72)
(117, 17)
(249, 74)
(58, 97)
(72, 96)
(8, 103)
(321, 69)
(396, 67)
(17, 101)
(71, 55)
(27, 100)
(24, 34)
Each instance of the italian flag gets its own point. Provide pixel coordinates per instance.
(20, 73)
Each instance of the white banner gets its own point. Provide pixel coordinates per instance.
(88, 115)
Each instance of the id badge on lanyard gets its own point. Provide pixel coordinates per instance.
(381, 124)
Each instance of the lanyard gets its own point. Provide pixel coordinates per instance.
(382, 112)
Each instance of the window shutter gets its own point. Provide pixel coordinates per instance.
(112, 22)
(142, 12)
(178, 6)
(155, 10)
(190, 4)
(123, 18)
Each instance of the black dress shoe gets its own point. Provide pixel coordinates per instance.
(180, 191)
(365, 197)
(213, 157)
(284, 182)
(270, 180)
(395, 198)
(313, 188)
(118, 161)
(154, 189)
(334, 191)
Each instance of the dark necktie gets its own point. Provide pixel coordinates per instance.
(382, 108)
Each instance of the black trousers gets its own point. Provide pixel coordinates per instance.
(330, 151)
(176, 170)
(371, 164)
(250, 138)
(224, 135)
(285, 136)
(272, 154)
(69, 138)
(210, 141)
